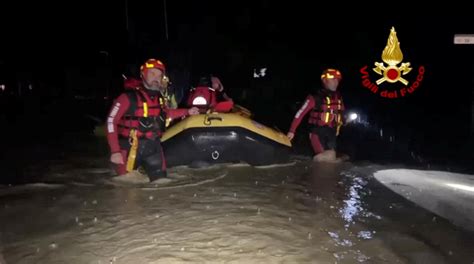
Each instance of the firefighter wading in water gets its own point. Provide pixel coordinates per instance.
(326, 117)
(135, 124)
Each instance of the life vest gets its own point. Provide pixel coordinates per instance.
(146, 115)
(328, 110)
(169, 97)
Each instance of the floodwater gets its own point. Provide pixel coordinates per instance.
(299, 213)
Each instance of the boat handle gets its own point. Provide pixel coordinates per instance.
(207, 120)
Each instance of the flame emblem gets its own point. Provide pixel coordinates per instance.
(392, 55)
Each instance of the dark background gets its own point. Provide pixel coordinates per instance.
(62, 63)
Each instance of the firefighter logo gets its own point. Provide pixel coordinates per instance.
(392, 55)
(391, 71)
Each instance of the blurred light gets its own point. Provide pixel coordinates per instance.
(30, 86)
(3, 87)
(464, 39)
(353, 116)
(255, 75)
(260, 73)
(461, 187)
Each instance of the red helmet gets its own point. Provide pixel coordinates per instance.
(152, 64)
(331, 74)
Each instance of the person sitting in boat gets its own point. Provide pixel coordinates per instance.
(208, 94)
(219, 88)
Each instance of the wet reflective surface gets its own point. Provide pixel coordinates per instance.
(301, 213)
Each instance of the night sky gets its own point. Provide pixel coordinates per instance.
(294, 40)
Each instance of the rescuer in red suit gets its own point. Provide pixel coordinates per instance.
(325, 110)
(136, 122)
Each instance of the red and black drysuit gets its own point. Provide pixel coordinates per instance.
(326, 109)
(129, 112)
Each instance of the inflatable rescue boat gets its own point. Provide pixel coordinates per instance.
(222, 133)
